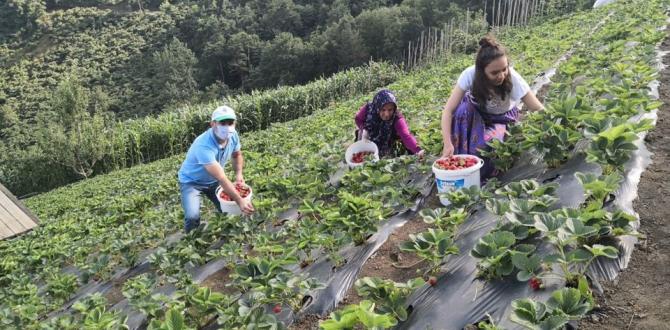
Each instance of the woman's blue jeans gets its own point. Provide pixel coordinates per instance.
(190, 201)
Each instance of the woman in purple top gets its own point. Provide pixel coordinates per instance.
(382, 123)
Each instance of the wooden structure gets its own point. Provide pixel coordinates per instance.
(15, 218)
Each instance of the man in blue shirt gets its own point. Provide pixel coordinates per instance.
(202, 170)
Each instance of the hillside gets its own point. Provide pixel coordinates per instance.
(133, 59)
(118, 234)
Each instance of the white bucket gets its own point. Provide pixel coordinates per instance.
(448, 180)
(360, 146)
(231, 207)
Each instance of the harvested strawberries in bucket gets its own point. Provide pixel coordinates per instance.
(361, 152)
(360, 157)
(456, 162)
(227, 204)
(243, 190)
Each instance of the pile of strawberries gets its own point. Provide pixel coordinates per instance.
(456, 162)
(243, 190)
(359, 157)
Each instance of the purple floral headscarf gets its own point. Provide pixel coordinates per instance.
(381, 131)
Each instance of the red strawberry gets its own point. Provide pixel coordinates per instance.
(535, 283)
(276, 309)
(359, 157)
(432, 280)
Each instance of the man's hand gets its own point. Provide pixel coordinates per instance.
(448, 149)
(421, 154)
(246, 207)
(239, 180)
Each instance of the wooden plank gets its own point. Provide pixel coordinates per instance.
(5, 231)
(18, 203)
(11, 221)
(17, 213)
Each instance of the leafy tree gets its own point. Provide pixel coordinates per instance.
(18, 15)
(232, 59)
(385, 32)
(340, 46)
(285, 60)
(74, 134)
(281, 16)
(173, 71)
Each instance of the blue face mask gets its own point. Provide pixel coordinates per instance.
(223, 132)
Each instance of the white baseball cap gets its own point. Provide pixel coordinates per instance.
(222, 113)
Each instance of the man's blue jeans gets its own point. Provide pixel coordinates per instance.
(190, 201)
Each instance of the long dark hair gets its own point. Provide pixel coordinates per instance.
(489, 51)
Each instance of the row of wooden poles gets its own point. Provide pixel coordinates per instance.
(435, 41)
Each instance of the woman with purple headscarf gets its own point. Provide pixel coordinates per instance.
(382, 123)
(484, 101)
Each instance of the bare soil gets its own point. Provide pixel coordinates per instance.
(640, 297)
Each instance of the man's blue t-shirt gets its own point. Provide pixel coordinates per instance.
(206, 150)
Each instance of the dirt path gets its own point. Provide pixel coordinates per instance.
(640, 298)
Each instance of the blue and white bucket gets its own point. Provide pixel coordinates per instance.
(448, 180)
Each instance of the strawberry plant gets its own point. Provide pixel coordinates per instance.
(564, 305)
(353, 316)
(61, 286)
(503, 153)
(466, 197)
(258, 272)
(249, 313)
(443, 219)
(291, 289)
(357, 216)
(139, 292)
(552, 142)
(92, 314)
(388, 296)
(597, 188)
(612, 148)
(432, 245)
(174, 320)
(567, 234)
(201, 303)
(497, 250)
